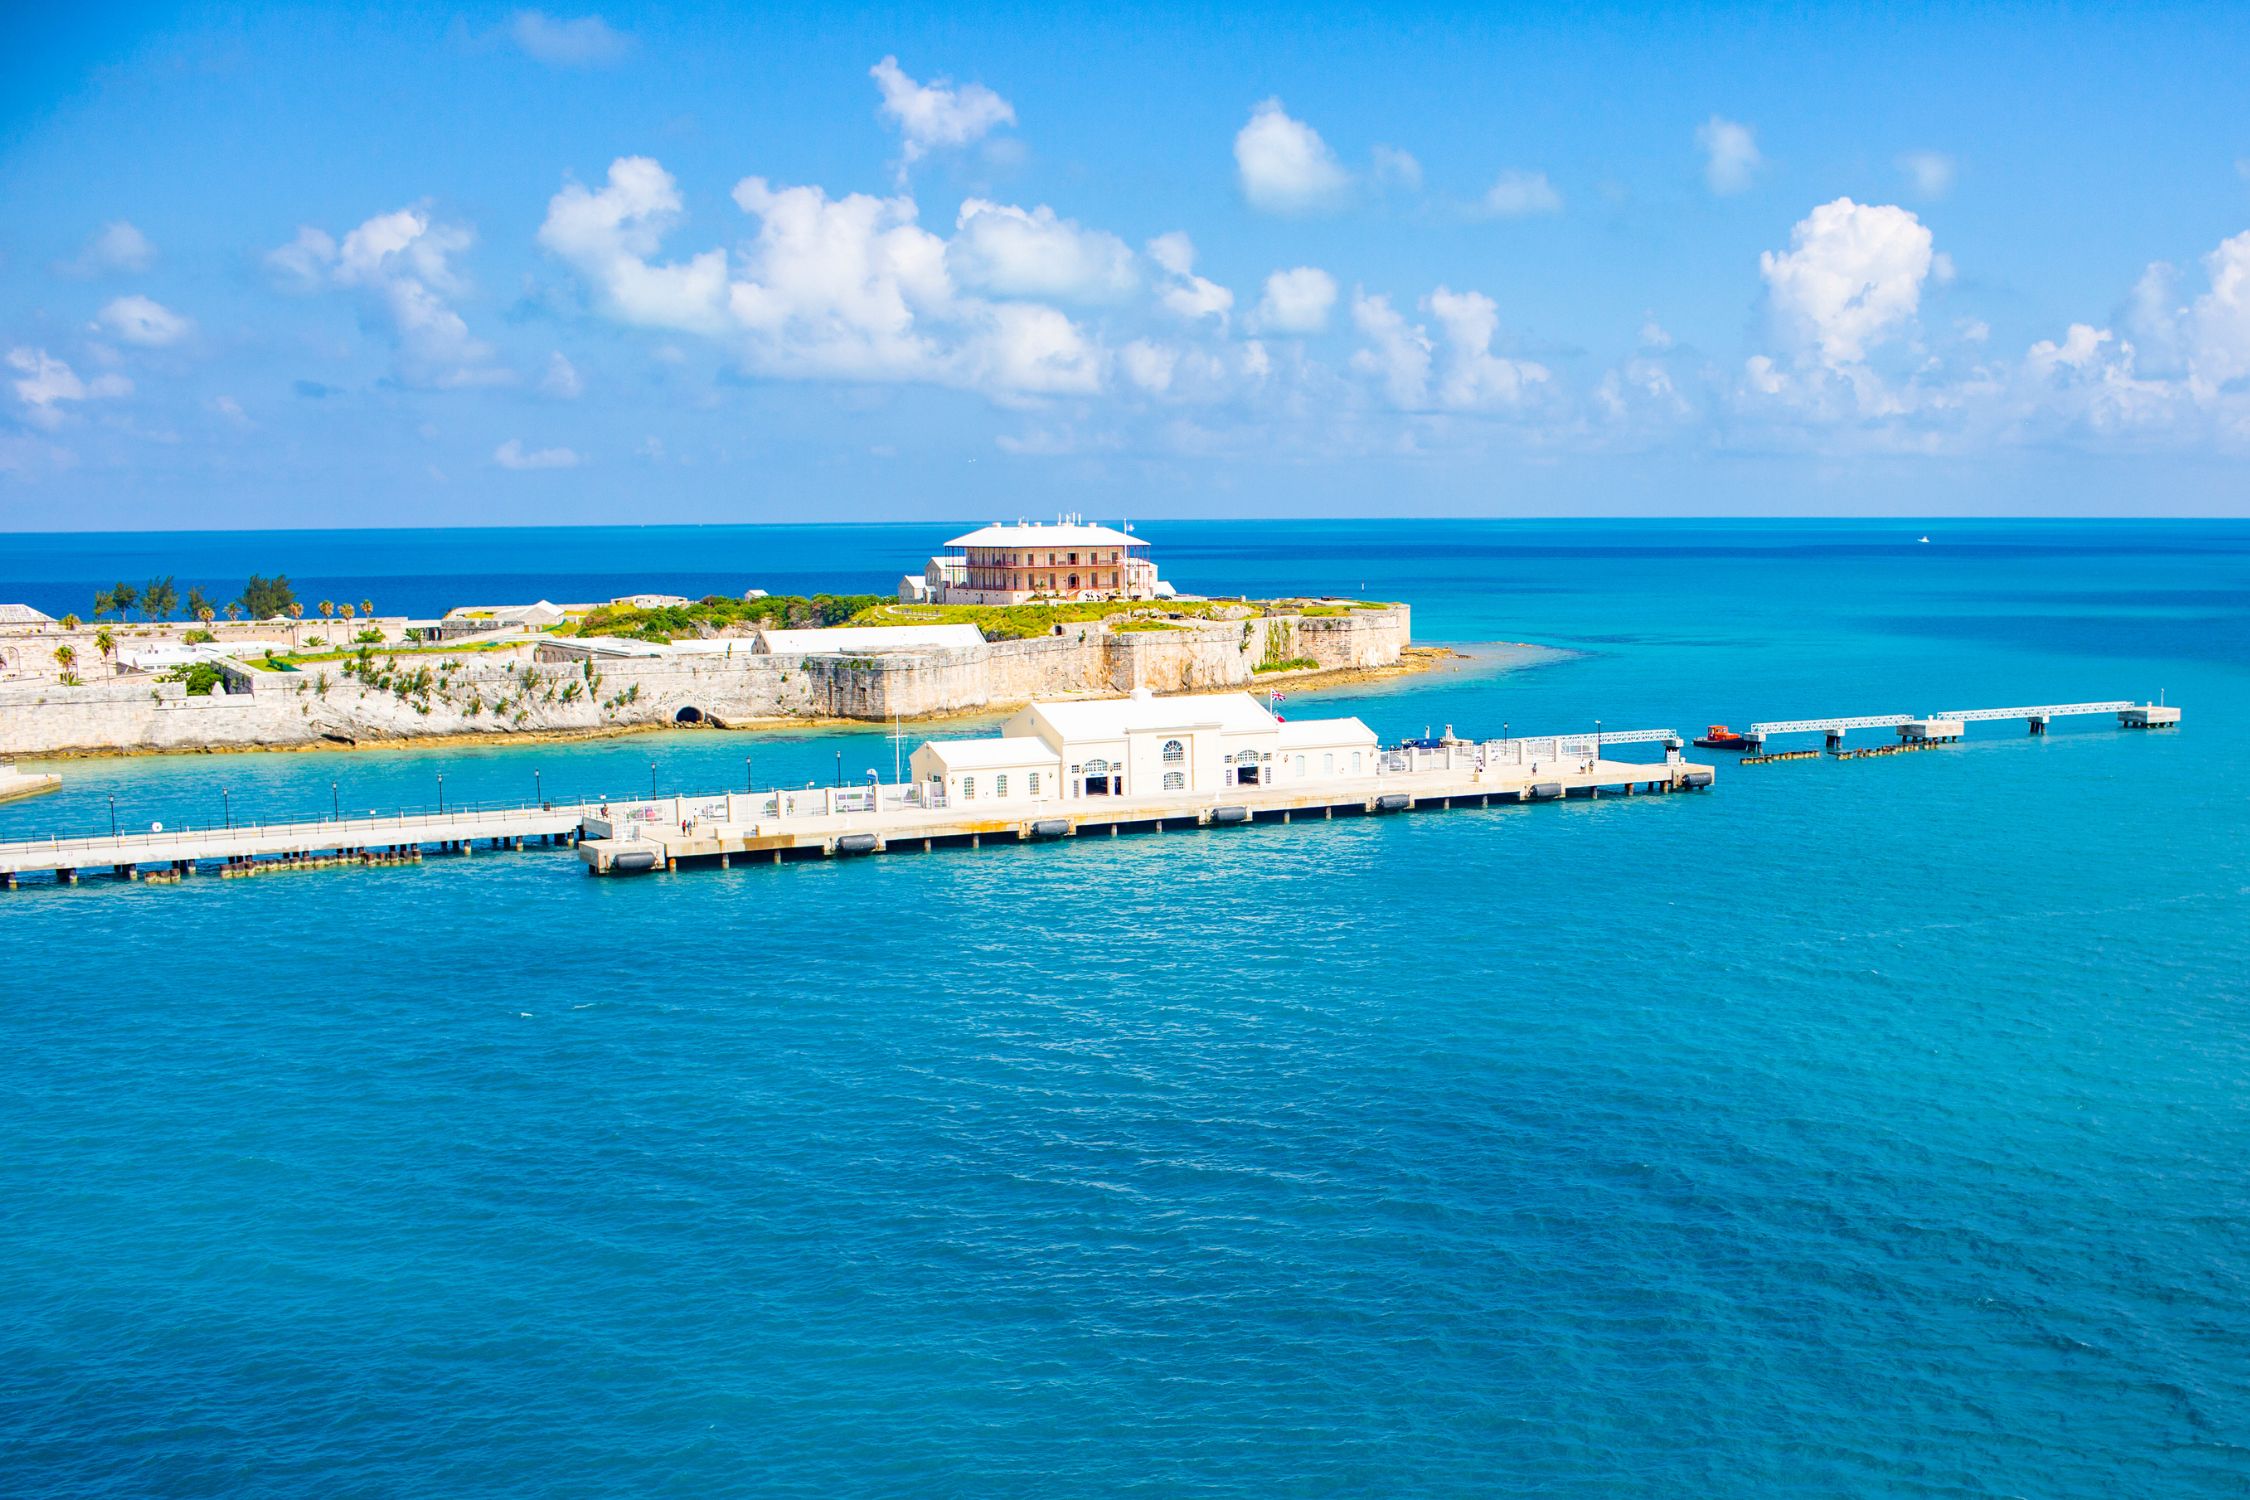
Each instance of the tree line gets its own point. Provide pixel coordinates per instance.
(261, 599)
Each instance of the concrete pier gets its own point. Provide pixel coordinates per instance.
(246, 849)
(628, 846)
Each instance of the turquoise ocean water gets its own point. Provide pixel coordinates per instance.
(1874, 1128)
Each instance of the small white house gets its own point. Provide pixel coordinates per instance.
(1144, 746)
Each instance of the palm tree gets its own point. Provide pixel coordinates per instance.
(346, 611)
(67, 656)
(367, 607)
(105, 643)
(328, 609)
(70, 622)
(296, 610)
(234, 609)
(206, 613)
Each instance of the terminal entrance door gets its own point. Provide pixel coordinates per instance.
(1098, 778)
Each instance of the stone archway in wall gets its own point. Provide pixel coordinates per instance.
(690, 714)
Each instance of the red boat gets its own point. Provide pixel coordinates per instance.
(1719, 737)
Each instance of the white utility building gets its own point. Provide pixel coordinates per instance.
(1143, 746)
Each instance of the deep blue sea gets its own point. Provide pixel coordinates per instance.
(1875, 1128)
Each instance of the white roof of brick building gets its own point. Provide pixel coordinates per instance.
(23, 614)
(1035, 535)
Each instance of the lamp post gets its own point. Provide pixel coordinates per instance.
(652, 781)
(335, 804)
(748, 786)
(538, 791)
(839, 768)
(226, 804)
(441, 791)
(113, 815)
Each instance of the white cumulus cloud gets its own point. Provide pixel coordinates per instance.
(1285, 166)
(1033, 253)
(513, 455)
(399, 264)
(1929, 174)
(1473, 375)
(1296, 301)
(1519, 195)
(1851, 277)
(1730, 154)
(1183, 293)
(611, 234)
(849, 288)
(117, 248)
(44, 383)
(1397, 168)
(583, 42)
(1397, 352)
(937, 115)
(142, 320)
(561, 378)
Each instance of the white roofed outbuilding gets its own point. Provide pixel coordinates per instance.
(1145, 746)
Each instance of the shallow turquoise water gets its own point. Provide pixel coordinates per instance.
(1868, 1128)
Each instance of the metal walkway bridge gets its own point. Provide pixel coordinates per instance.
(1948, 725)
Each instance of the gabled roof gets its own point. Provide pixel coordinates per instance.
(1004, 753)
(1113, 718)
(23, 614)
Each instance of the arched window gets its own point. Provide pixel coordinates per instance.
(1097, 768)
(1035, 783)
(1300, 765)
(1355, 762)
(1175, 781)
(1327, 764)
(1174, 752)
(968, 789)
(999, 786)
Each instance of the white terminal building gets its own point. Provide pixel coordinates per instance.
(1016, 564)
(1142, 746)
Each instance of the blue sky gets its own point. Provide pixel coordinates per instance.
(307, 266)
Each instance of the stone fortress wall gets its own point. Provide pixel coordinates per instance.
(486, 694)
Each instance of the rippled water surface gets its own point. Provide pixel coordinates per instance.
(1859, 1128)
